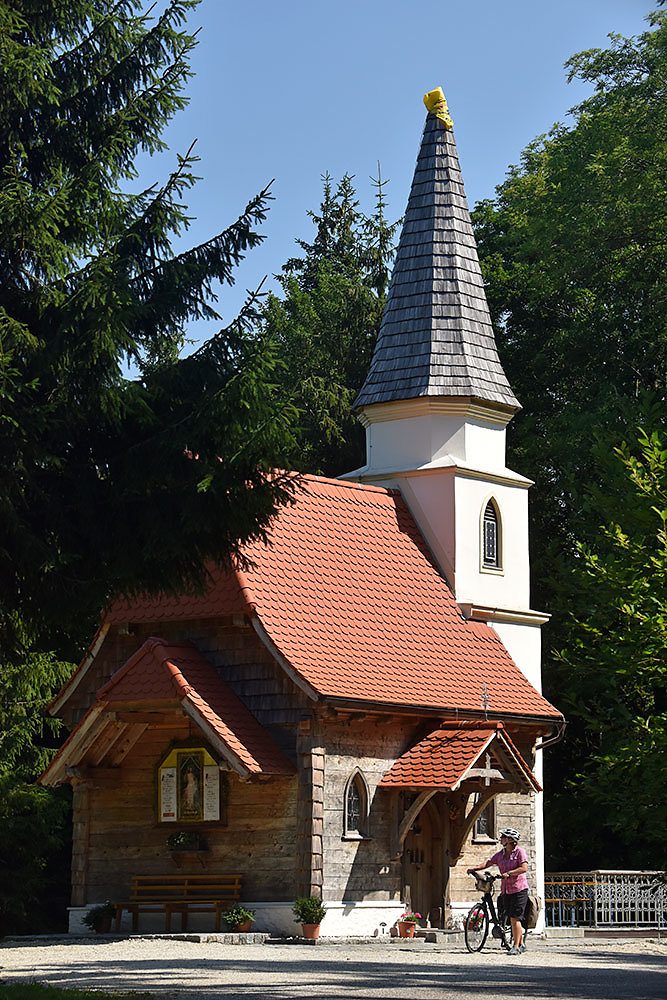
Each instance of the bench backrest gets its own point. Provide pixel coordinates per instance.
(149, 888)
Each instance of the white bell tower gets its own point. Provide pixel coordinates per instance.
(436, 404)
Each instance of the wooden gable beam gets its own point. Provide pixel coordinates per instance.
(123, 746)
(104, 742)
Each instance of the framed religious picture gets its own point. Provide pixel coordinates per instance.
(190, 787)
(190, 770)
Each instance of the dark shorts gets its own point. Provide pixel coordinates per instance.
(514, 903)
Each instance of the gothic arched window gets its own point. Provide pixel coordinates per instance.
(355, 807)
(491, 553)
(484, 826)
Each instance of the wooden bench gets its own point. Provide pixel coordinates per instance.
(182, 894)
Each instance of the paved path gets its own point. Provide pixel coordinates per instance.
(171, 969)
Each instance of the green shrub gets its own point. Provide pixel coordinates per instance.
(35, 857)
(236, 915)
(309, 910)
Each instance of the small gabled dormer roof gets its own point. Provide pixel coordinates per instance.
(164, 675)
(436, 337)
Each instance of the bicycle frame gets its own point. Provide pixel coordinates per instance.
(493, 919)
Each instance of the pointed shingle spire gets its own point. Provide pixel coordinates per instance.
(436, 337)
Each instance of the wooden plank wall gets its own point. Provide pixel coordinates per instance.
(124, 838)
(310, 820)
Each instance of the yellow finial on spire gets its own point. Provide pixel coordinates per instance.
(437, 105)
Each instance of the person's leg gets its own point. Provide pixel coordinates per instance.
(517, 931)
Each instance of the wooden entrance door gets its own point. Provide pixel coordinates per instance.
(423, 858)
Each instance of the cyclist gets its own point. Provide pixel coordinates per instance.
(513, 864)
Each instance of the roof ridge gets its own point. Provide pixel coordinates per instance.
(470, 724)
(146, 648)
(347, 483)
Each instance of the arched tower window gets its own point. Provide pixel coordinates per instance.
(491, 537)
(355, 807)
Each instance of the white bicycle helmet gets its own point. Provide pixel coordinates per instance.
(511, 833)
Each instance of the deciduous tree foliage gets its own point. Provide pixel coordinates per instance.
(574, 251)
(615, 661)
(327, 320)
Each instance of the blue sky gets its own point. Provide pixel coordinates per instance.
(290, 89)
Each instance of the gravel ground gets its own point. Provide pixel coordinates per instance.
(174, 970)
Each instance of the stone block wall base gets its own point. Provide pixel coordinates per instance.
(367, 919)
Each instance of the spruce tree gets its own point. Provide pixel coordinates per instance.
(109, 483)
(327, 319)
(113, 483)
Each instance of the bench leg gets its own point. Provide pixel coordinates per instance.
(135, 920)
(167, 918)
(119, 914)
(218, 914)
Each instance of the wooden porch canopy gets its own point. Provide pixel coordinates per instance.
(459, 758)
(160, 679)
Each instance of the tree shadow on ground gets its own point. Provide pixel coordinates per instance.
(607, 975)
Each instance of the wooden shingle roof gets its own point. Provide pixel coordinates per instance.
(436, 337)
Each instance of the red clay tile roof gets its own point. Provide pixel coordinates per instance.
(442, 758)
(223, 597)
(347, 592)
(176, 671)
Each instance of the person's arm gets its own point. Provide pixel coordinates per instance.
(518, 870)
(479, 868)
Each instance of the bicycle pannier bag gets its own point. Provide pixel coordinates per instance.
(533, 908)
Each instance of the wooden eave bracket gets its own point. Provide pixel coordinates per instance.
(461, 823)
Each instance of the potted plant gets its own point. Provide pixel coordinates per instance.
(99, 917)
(407, 922)
(185, 840)
(309, 911)
(238, 918)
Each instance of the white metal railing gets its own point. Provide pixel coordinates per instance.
(604, 899)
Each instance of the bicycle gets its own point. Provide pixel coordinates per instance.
(477, 922)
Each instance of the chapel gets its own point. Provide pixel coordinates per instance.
(355, 713)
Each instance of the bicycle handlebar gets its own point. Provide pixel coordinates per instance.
(486, 876)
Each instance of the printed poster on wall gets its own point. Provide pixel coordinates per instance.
(168, 795)
(211, 792)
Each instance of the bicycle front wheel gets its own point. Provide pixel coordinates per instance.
(476, 927)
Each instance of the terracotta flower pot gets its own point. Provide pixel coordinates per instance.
(406, 928)
(103, 925)
(311, 931)
(243, 928)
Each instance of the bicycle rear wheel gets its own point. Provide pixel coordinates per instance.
(476, 927)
